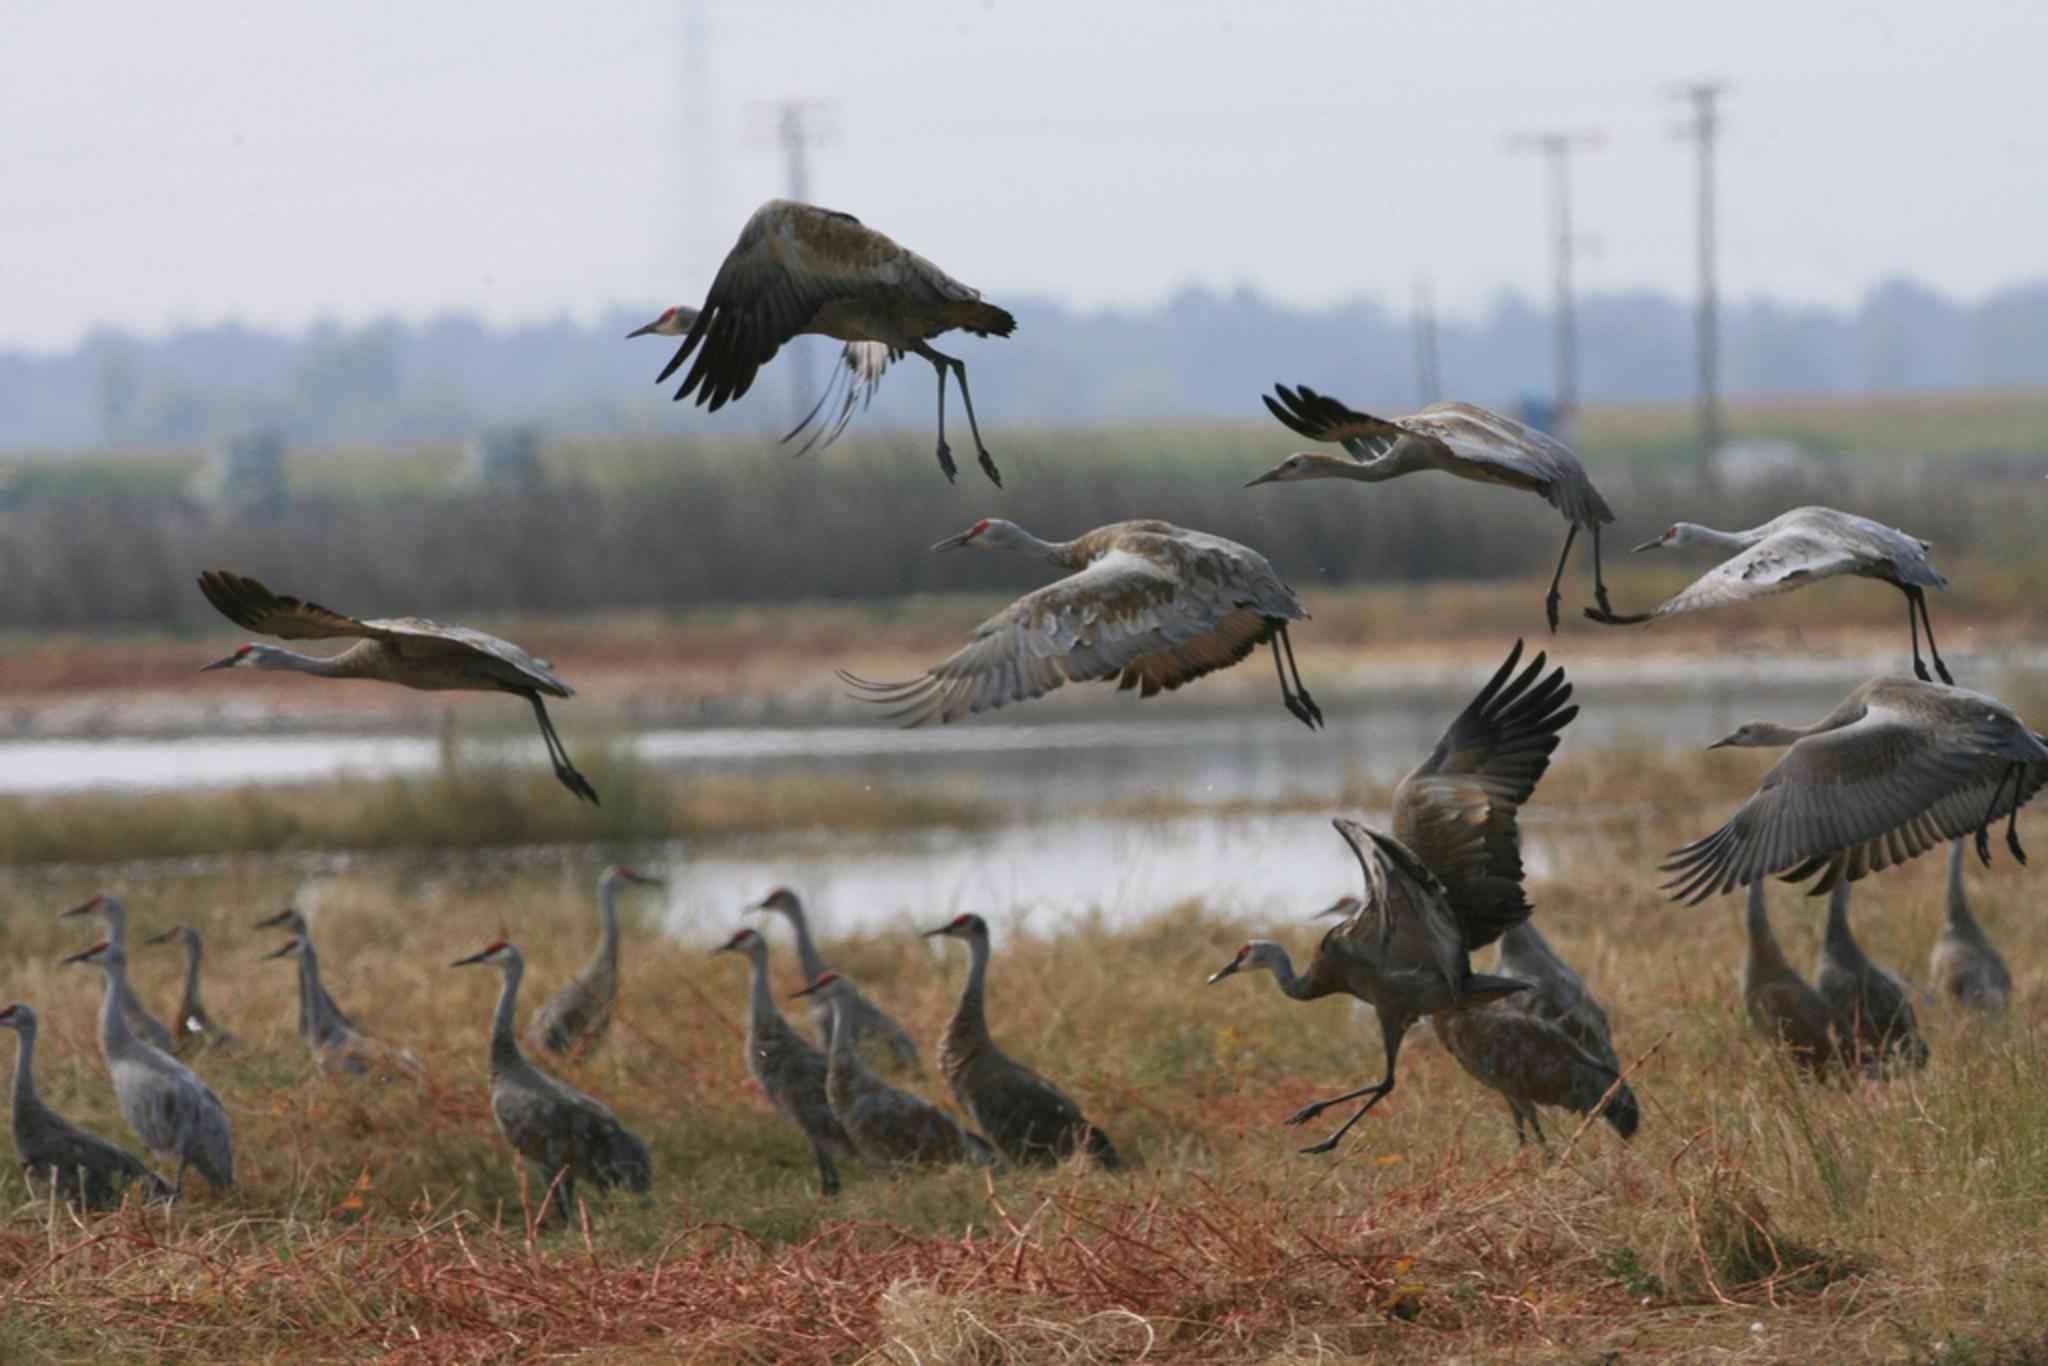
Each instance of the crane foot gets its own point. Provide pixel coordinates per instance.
(1984, 845)
(2012, 842)
(946, 460)
(1920, 671)
(1550, 601)
(988, 467)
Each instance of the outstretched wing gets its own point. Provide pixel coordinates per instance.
(1457, 810)
(250, 605)
(1125, 614)
(1776, 564)
(1854, 801)
(1322, 418)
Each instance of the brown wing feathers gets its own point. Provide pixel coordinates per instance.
(250, 605)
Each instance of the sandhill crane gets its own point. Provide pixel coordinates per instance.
(1448, 881)
(1896, 768)
(1556, 993)
(1963, 965)
(115, 917)
(580, 1014)
(90, 1171)
(174, 1113)
(195, 1028)
(1872, 1009)
(1458, 438)
(1530, 1061)
(1779, 1003)
(790, 1072)
(889, 1128)
(868, 1026)
(339, 1048)
(562, 1132)
(410, 651)
(1149, 604)
(1792, 550)
(800, 269)
(1028, 1119)
(313, 997)
(855, 378)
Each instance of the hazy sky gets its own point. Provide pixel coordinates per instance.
(190, 163)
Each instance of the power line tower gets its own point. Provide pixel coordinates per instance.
(1703, 128)
(1428, 367)
(1556, 149)
(796, 126)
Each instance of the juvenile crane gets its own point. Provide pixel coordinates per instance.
(867, 1024)
(578, 1017)
(799, 269)
(1895, 769)
(1461, 439)
(565, 1134)
(175, 1114)
(1148, 604)
(1530, 1061)
(1779, 1003)
(410, 651)
(889, 1128)
(195, 1028)
(854, 380)
(1795, 549)
(1872, 1009)
(1030, 1121)
(1446, 882)
(789, 1071)
(313, 998)
(1963, 965)
(115, 917)
(90, 1172)
(339, 1048)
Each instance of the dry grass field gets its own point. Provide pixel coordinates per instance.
(1755, 1217)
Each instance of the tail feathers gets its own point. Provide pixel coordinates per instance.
(986, 320)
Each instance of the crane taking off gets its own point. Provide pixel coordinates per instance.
(1148, 604)
(798, 269)
(410, 651)
(1462, 439)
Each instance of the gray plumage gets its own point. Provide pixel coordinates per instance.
(1872, 1010)
(195, 1029)
(557, 1128)
(115, 917)
(339, 1049)
(1963, 965)
(175, 1114)
(91, 1172)
(1556, 992)
(577, 1018)
(1028, 1119)
(1792, 550)
(1149, 604)
(1780, 1004)
(870, 1028)
(1530, 1061)
(789, 1071)
(312, 997)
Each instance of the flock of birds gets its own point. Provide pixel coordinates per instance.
(1900, 766)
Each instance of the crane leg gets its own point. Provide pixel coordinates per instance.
(1393, 1025)
(1599, 579)
(1917, 597)
(988, 462)
(2015, 773)
(941, 364)
(828, 1175)
(1550, 599)
(1308, 704)
(558, 754)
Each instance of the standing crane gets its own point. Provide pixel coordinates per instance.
(1461, 439)
(175, 1114)
(788, 1070)
(577, 1018)
(798, 269)
(313, 997)
(1448, 881)
(889, 1128)
(1030, 1121)
(195, 1028)
(410, 651)
(115, 917)
(1148, 604)
(565, 1134)
(852, 385)
(1531, 1061)
(1556, 993)
(867, 1024)
(91, 1172)
(1871, 1008)
(1897, 767)
(1963, 965)
(1795, 549)
(339, 1048)
(1779, 1003)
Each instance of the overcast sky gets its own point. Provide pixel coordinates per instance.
(195, 162)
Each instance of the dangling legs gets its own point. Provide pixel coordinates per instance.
(2016, 773)
(1287, 697)
(1599, 581)
(1913, 625)
(1917, 597)
(939, 363)
(1300, 688)
(1550, 599)
(988, 462)
(558, 755)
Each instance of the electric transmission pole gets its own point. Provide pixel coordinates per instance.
(1428, 370)
(1705, 124)
(1557, 149)
(797, 126)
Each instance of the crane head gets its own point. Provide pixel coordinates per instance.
(1673, 535)
(286, 949)
(1258, 953)
(781, 900)
(497, 951)
(618, 872)
(287, 917)
(1301, 465)
(971, 536)
(827, 984)
(17, 1016)
(673, 322)
(742, 941)
(84, 908)
(1346, 905)
(244, 657)
(174, 934)
(967, 926)
(102, 952)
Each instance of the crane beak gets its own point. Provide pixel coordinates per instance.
(645, 881)
(474, 958)
(1657, 544)
(644, 331)
(810, 990)
(732, 945)
(955, 542)
(281, 950)
(1226, 970)
(166, 937)
(83, 955)
(272, 921)
(227, 663)
(91, 905)
(1271, 476)
(943, 929)
(1722, 744)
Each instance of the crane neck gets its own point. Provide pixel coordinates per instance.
(115, 1036)
(188, 1005)
(276, 657)
(971, 1016)
(761, 1007)
(1766, 959)
(806, 947)
(839, 1053)
(1721, 540)
(505, 1054)
(1959, 917)
(607, 955)
(322, 1021)
(25, 1098)
(1839, 941)
(1299, 987)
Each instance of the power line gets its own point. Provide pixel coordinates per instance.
(1428, 368)
(796, 127)
(1702, 130)
(1556, 149)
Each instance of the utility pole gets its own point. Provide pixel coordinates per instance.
(1705, 124)
(1428, 370)
(796, 127)
(1556, 149)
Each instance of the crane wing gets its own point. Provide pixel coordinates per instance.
(1854, 801)
(1321, 418)
(250, 605)
(419, 637)
(1403, 914)
(1457, 810)
(1125, 614)
(1776, 564)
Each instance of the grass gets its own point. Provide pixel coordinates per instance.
(1755, 1215)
